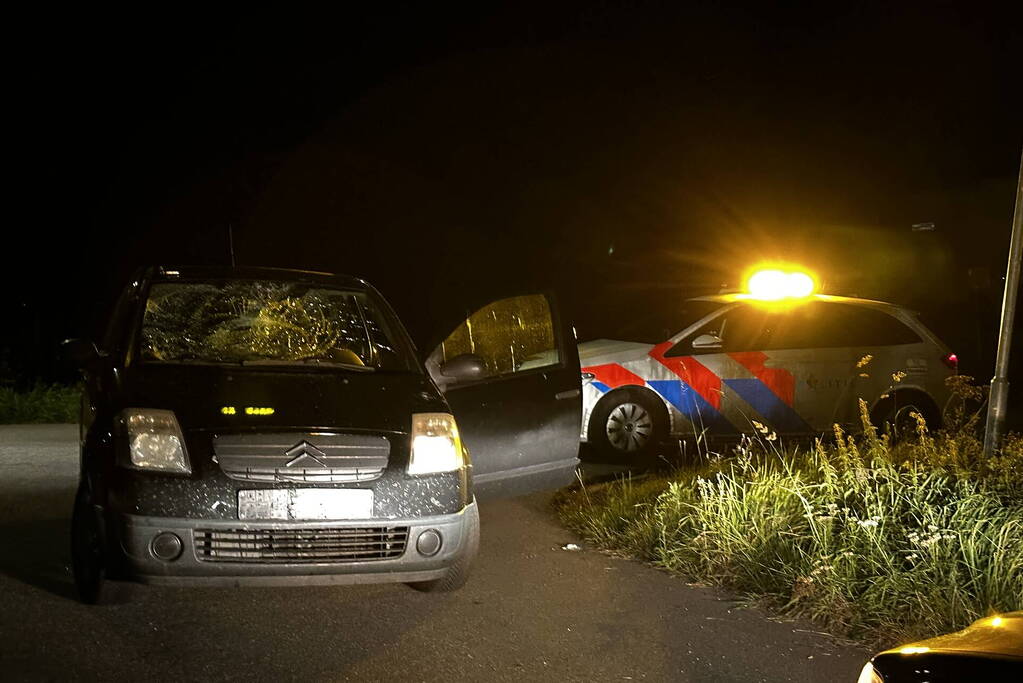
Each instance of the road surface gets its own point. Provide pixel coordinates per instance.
(531, 611)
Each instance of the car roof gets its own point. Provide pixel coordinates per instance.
(168, 273)
(824, 298)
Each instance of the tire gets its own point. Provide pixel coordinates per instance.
(458, 573)
(894, 415)
(89, 557)
(628, 424)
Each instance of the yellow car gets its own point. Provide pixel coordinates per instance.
(990, 649)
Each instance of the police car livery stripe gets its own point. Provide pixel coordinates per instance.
(779, 381)
(775, 412)
(771, 394)
(694, 373)
(611, 376)
(693, 406)
(697, 392)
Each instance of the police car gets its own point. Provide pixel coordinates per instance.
(778, 360)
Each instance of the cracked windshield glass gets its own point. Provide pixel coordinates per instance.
(267, 322)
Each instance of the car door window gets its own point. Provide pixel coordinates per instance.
(836, 325)
(876, 328)
(747, 328)
(744, 328)
(513, 385)
(800, 327)
(510, 335)
(115, 339)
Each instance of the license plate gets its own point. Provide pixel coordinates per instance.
(306, 504)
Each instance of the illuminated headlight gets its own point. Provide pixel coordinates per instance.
(869, 675)
(155, 441)
(436, 446)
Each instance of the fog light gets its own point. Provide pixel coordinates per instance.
(166, 546)
(428, 543)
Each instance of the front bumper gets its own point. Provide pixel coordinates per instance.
(135, 534)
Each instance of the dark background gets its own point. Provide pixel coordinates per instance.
(629, 153)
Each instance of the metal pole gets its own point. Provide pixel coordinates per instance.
(998, 401)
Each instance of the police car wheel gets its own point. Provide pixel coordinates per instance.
(897, 416)
(630, 424)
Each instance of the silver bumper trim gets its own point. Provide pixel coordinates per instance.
(135, 534)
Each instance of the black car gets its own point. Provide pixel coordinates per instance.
(989, 649)
(255, 425)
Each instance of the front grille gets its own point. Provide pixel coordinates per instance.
(269, 546)
(312, 458)
(335, 475)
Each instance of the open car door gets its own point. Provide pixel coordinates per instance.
(510, 371)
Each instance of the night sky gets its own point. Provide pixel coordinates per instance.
(628, 154)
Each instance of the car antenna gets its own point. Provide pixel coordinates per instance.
(230, 242)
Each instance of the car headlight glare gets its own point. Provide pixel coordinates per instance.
(869, 675)
(155, 441)
(436, 446)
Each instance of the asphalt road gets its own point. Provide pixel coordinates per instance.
(531, 611)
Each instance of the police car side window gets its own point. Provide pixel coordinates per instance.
(836, 325)
(745, 328)
(802, 327)
(880, 329)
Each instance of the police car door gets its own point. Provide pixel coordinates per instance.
(797, 378)
(755, 388)
(838, 353)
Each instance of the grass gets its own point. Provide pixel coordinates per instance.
(884, 543)
(41, 404)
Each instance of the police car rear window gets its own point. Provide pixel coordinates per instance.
(835, 325)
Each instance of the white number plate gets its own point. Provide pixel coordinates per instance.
(306, 504)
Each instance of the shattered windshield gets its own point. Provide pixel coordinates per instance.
(266, 322)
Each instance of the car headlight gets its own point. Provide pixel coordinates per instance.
(155, 441)
(869, 675)
(436, 446)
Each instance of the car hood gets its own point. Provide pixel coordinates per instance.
(602, 351)
(995, 635)
(226, 398)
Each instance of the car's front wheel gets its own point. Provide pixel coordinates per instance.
(88, 557)
(458, 573)
(630, 424)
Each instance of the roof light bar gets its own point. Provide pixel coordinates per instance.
(774, 284)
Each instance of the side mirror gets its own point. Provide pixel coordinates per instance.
(708, 341)
(81, 352)
(464, 368)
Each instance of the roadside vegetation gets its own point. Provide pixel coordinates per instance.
(42, 403)
(880, 541)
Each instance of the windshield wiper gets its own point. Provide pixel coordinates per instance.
(313, 361)
(192, 361)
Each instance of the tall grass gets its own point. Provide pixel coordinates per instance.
(881, 542)
(42, 403)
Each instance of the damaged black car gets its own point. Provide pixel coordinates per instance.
(263, 426)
